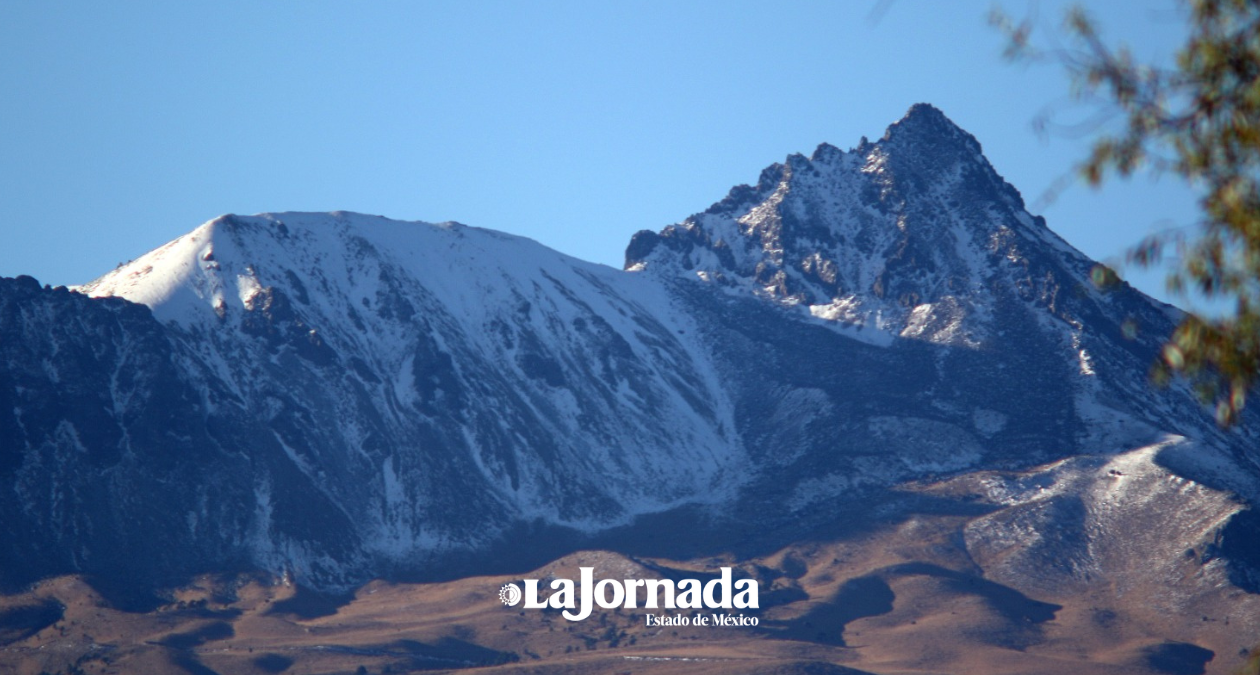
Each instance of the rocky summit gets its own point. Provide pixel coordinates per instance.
(858, 339)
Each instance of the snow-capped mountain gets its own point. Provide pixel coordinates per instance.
(564, 385)
(346, 396)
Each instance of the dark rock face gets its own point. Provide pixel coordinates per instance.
(917, 237)
(79, 377)
(343, 397)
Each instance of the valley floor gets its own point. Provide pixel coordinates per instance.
(906, 599)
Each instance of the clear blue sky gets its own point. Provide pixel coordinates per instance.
(126, 124)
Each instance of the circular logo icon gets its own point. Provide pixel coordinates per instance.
(510, 594)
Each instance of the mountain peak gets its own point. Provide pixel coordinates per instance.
(925, 114)
(931, 133)
(826, 152)
(339, 397)
(885, 233)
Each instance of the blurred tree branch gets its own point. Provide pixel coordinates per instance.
(1200, 121)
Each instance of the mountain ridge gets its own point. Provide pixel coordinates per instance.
(340, 396)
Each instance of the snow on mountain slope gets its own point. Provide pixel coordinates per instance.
(916, 237)
(1062, 530)
(345, 396)
(904, 237)
(567, 389)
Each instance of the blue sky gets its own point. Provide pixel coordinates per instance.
(573, 123)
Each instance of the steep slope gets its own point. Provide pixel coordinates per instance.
(343, 396)
(980, 323)
(104, 445)
(431, 384)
